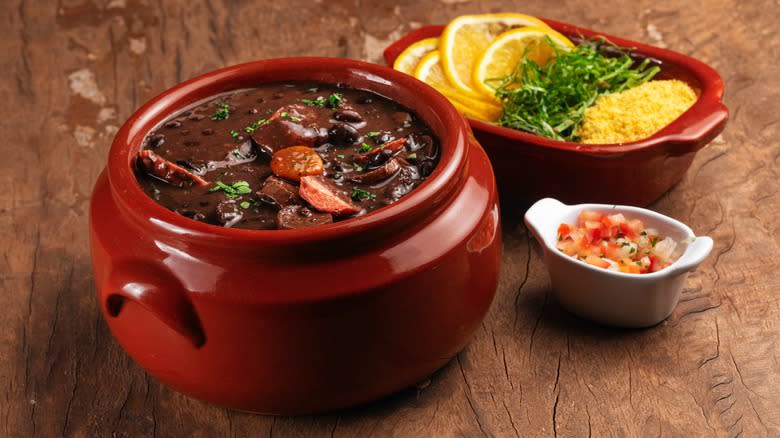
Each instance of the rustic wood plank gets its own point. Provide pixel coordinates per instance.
(76, 69)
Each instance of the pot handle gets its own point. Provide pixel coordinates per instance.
(158, 292)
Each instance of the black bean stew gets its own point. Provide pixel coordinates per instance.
(284, 156)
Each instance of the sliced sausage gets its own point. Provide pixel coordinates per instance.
(298, 216)
(296, 161)
(167, 171)
(379, 174)
(388, 149)
(325, 196)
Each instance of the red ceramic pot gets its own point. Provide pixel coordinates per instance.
(308, 320)
(529, 167)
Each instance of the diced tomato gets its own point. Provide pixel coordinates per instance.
(588, 215)
(653, 263)
(596, 261)
(563, 231)
(598, 239)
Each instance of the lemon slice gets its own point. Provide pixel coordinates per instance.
(410, 57)
(429, 70)
(465, 39)
(504, 53)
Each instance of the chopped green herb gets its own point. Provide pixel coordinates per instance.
(318, 102)
(550, 100)
(233, 190)
(335, 100)
(340, 156)
(358, 168)
(412, 156)
(359, 194)
(373, 134)
(245, 204)
(288, 116)
(365, 147)
(222, 113)
(234, 133)
(255, 125)
(654, 240)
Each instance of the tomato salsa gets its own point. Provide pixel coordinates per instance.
(613, 242)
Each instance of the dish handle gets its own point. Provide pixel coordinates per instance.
(697, 251)
(541, 215)
(156, 291)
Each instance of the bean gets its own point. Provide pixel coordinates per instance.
(346, 115)
(343, 134)
(156, 141)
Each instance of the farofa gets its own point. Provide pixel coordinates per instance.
(636, 113)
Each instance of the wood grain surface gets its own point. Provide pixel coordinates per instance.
(74, 70)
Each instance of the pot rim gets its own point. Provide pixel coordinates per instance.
(431, 107)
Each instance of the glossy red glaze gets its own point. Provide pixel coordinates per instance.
(529, 167)
(308, 320)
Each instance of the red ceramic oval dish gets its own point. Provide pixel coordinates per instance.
(529, 167)
(299, 321)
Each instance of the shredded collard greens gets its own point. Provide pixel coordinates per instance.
(550, 100)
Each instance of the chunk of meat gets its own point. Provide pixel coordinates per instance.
(168, 171)
(379, 174)
(228, 213)
(402, 184)
(296, 161)
(290, 125)
(278, 192)
(298, 216)
(325, 196)
(388, 149)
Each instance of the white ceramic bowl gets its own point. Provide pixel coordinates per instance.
(608, 297)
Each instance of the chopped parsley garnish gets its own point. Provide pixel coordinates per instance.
(233, 190)
(318, 102)
(358, 168)
(333, 101)
(365, 147)
(359, 194)
(550, 100)
(255, 125)
(288, 116)
(654, 240)
(222, 113)
(340, 156)
(245, 204)
(234, 133)
(373, 134)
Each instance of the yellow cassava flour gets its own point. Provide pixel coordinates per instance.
(636, 113)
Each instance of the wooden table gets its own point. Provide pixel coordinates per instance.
(72, 72)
